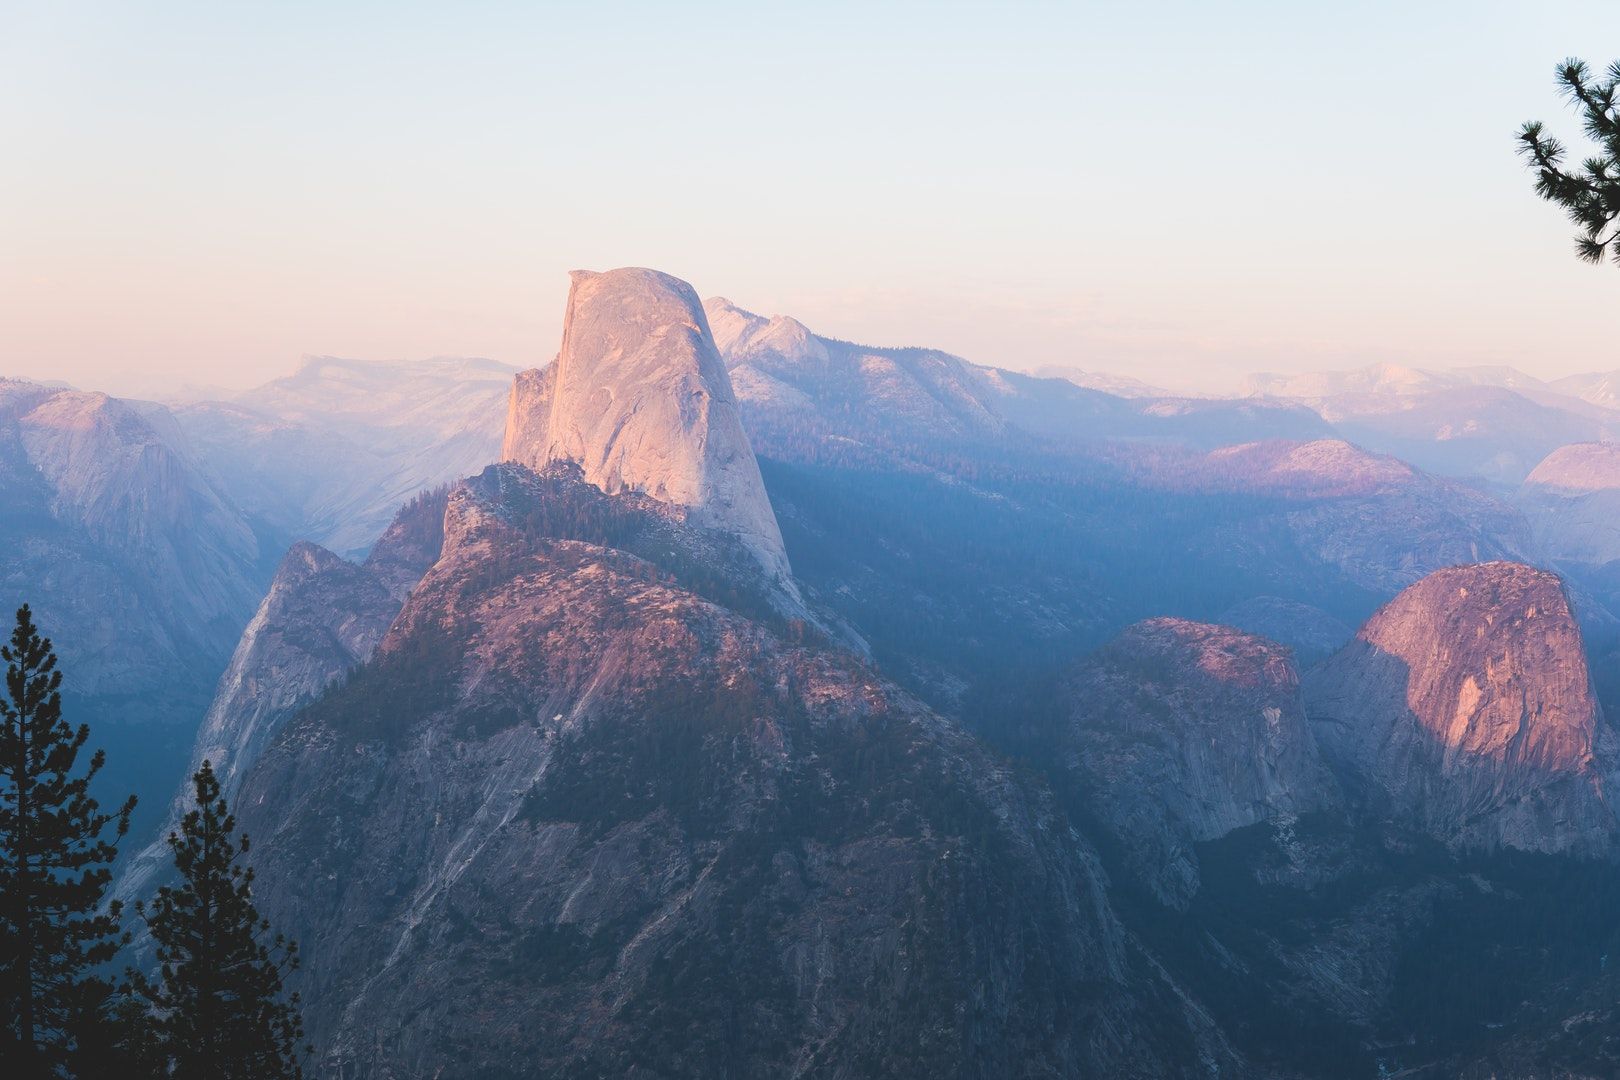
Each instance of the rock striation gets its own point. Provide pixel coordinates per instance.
(528, 417)
(641, 401)
(1465, 706)
(1180, 732)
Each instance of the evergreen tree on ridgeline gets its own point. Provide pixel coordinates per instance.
(55, 865)
(216, 1011)
(1590, 195)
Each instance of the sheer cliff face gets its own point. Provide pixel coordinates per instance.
(321, 617)
(641, 401)
(1465, 704)
(1181, 732)
(574, 819)
(528, 417)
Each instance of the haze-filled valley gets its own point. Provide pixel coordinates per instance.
(724, 699)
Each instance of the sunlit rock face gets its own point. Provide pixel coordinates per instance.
(528, 417)
(641, 401)
(1465, 706)
(1181, 732)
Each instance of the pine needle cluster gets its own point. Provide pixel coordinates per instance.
(1589, 193)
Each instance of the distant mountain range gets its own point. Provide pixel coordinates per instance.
(729, 700)
(329, 453)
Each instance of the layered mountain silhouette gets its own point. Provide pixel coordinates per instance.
(651, 791)
(755, 703)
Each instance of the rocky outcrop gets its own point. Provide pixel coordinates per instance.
(528, 417)
(573, 818)
(322, 617)
(1180, 732)
(1464, 706)
(1579, 469)
(641, 401)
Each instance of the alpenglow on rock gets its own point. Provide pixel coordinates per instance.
(640, 399)
(1465, 704)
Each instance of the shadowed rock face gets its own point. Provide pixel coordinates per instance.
(1181, 732)
(574, 820)
(642, 402)
(1466, 703)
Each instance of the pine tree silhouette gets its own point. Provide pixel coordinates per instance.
(1590, 195)
(54, 870)
(217, 1011)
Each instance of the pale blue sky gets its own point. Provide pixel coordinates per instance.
(1181, 191)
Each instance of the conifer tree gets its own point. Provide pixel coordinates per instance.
(1590, 195)
(54, 870)
(217, 1011)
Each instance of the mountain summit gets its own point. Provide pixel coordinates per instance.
(641, 401)
(1466, 703)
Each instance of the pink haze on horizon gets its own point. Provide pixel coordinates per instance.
(200, 195)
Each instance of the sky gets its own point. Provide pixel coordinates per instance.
(202, 193)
